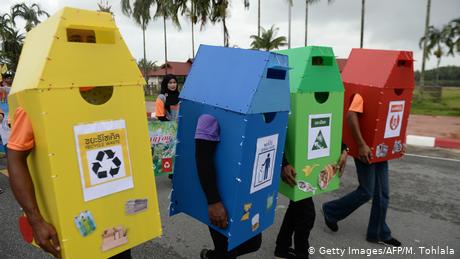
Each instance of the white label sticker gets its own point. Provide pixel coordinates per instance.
(264, 162)
(103, 157)
(319, 135)
(394, 119)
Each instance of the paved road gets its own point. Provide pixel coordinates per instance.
(424, 211)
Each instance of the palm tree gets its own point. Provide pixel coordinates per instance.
(268, 40)
(435, 39)
(167, 9)
(104, 7)
(30, 14)
(11, 46)
(199, 11)
(219, 13)
(362, 23)
(307, 4)
(139, 10)
(427, 25)
(290, 3)
(451, 32)
(147, 65)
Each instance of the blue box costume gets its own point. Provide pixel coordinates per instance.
(247, 91)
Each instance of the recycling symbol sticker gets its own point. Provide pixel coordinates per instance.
(319, 135)
(320, 143)
(103, 156)
(112, 164)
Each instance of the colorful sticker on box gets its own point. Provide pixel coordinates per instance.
(246, 210)
(308, 169)
(325, 176)
(264, 163)
(306, 187)
(114, 237)
(255, 222)
(85, 223)
(103, 157)
(397, 147)
(135, 206)
(270, 201)
(381, 150)
(394, 119)
(319, 135)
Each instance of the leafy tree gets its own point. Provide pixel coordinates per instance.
(268, 40)
(30, 13)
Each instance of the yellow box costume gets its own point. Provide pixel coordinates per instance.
(91, 165)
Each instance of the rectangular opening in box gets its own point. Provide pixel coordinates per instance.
(273, 73)
(404, 63)
(321, 61)
(90, 36)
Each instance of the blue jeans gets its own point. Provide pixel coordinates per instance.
(373, 183)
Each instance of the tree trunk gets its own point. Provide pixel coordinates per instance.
(362, 23)
(224, 25)
(166, 45)
(306, 21)
(145, 55)
(289, 27)
(258, 18)
(193, 33)
(437, 71)
(427, 24)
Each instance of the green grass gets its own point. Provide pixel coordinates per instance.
(449, 105)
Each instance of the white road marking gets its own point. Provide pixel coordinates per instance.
(433, 157)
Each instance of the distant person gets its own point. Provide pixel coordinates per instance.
(5, 88)
(373, 184)
(167, 103)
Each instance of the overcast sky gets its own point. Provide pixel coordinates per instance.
(389, 24)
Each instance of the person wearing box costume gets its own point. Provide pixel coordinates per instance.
(373, 183)
(379, 85)
(20, 144)
(206, 140)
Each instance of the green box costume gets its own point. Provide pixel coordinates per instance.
(314, 136)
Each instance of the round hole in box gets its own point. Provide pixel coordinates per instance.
(398, 91)
(96, 95)
(269, 116)
(321, 97)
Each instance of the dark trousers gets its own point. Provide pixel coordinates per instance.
(298, 221)
(123, 255)
(221, 244)
(373, 184)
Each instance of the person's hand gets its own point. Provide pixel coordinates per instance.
(288, 175)
(365, 154)
(217, 214)
(45, 236)
(342, 162)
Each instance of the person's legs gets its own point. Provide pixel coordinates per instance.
(247, 247)
(378, 229)
(339, 209)
(284, 238)
(298, 220)
(123, 255)
(304, 220)
(221, 244)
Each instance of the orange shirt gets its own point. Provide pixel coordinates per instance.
(357, 105)
(22, 135)
(159, 108)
